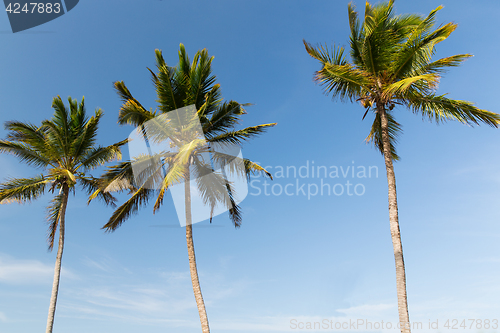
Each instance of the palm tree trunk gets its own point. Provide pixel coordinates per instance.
(404, 318)
(57, 269)
(192, 259)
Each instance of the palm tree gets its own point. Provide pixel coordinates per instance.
(65, 148)
(193, 158)
(391, 65)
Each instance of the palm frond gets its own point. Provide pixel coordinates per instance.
(377, 38)
(394, 130)
(138, 199)
(60, 121)
(439, 66)
(354, 38)
(336, 75)
(399, 88)
(23, 189)
(84, 133)
(25, 153)
(168, 82)
(325, 55)
(441, 109)
(174, 174)
(26, 133)
(417, 52)
(211, 185)
(344, 81)
(212, 102)
(56, 140)
(98, 156)
(78, 118)
(235, 213)
(131, 112)
(254, 168)
(92, 185)
(239, 136)
(225, 117)
(414, 45)
(54, 217)
(184, 65)
(201, 79)
(117, 178)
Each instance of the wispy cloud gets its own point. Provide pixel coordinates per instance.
(484, 169)
(104, 264)
(256, 324)
(25, 271)
(368, 310)
(145, 304)
(165, 299)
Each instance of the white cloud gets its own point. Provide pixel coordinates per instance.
(367, 310)
(165, 300)
(25, 271)
(257, 324)
(135, 304)
(101, 265)
(3, 317)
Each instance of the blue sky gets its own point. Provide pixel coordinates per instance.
(294, 258)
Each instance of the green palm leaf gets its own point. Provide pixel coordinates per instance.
(25, 153)
(100, 155)
(53, 217)
(441, 109)
(138, 199)
(131, 112)
(23, 189)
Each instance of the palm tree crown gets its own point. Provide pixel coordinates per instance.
(392, 65)
(65, 148)
(187, 84)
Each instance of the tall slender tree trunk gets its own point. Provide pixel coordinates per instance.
(404, 318)
(192, 259)
(57, 269)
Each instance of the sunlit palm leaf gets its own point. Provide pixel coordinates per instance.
(138, 199)
(25, 153)
(239, 136)
(394, 131)
(101, 155)
(23, 189)
(131, 112)
(440, 109)
(91, 186)
(53, 218)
